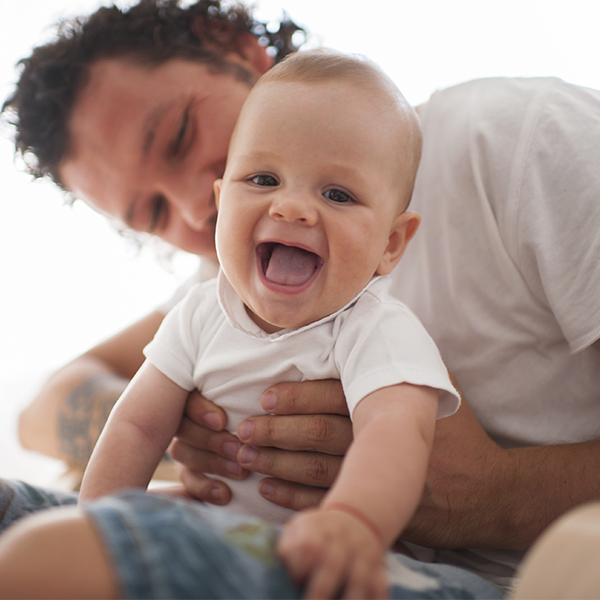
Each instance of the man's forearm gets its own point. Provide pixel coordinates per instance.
(66, 418)
(549, 480)
(504, 498)
(479, 495)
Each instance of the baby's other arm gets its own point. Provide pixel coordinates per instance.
(340, 545)
(137, 434)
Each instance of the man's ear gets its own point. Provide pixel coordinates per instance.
(403, 230)
(251, 54)
(217, 189)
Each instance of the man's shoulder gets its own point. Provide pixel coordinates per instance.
(506, 100)
(504, 86)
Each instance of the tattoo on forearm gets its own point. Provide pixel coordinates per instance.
(84, 414)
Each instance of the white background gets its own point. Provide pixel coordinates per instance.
(67, 280)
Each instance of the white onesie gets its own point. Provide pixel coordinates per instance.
(208, 342)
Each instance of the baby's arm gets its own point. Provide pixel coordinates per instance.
(340, 546)
(137, 434)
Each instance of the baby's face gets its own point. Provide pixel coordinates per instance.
(307, 202)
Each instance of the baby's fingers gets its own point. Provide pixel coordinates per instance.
(366, 581)
(327, 578)
(295, 553)
(309, 562)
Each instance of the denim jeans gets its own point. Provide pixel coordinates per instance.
(161, 547)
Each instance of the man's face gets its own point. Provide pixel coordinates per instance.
(307, 202)
(146, 145)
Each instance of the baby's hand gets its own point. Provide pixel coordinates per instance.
(331, 553)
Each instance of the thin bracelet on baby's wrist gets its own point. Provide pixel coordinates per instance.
(357, 514)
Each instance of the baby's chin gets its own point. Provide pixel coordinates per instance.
(272, 324)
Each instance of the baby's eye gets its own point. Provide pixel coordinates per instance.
(264, 180)
(338, 196)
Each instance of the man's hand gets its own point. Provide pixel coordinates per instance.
(202, 446)
(477, 494)
(331, 552)
(295, 446)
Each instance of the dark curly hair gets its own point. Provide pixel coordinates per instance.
(151, 32)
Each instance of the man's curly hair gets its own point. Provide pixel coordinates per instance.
(151, 32)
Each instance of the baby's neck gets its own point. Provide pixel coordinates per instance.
(264, 325)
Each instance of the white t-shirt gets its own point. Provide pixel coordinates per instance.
(208, 342)
(505, 270)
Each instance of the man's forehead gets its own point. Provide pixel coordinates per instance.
(101, 102)
(107, 123)
(94, 183)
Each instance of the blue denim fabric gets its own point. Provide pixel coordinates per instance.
(166, 548)
(18, 499)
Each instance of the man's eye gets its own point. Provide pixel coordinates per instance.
(338, 196)
(158, 211)
(264, 180)
(179, 138)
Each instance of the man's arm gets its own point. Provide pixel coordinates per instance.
(480, 495)
(66, 418)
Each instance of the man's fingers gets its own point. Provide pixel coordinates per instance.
(221, 442)
(205, 462)
(310, 468)
(290, 495)
(203, 488)
(331, 434)
(204, 412)
(305, 398)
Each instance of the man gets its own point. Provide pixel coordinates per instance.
(507, 189)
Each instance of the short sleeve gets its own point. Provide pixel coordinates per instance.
(174, 349)
(383, 344)
(556, 212)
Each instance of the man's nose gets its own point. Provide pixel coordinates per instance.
(294, 208)
(192, 197)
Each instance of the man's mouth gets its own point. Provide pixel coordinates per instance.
(287, 265)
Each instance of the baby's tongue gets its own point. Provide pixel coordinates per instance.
(289, 265)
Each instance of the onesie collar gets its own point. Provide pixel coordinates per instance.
(235, 312)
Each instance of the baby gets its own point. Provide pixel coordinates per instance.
(311, 217)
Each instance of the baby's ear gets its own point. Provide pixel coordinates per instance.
(403, 230)
(217, 189)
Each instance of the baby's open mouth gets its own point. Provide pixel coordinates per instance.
(287, 265)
